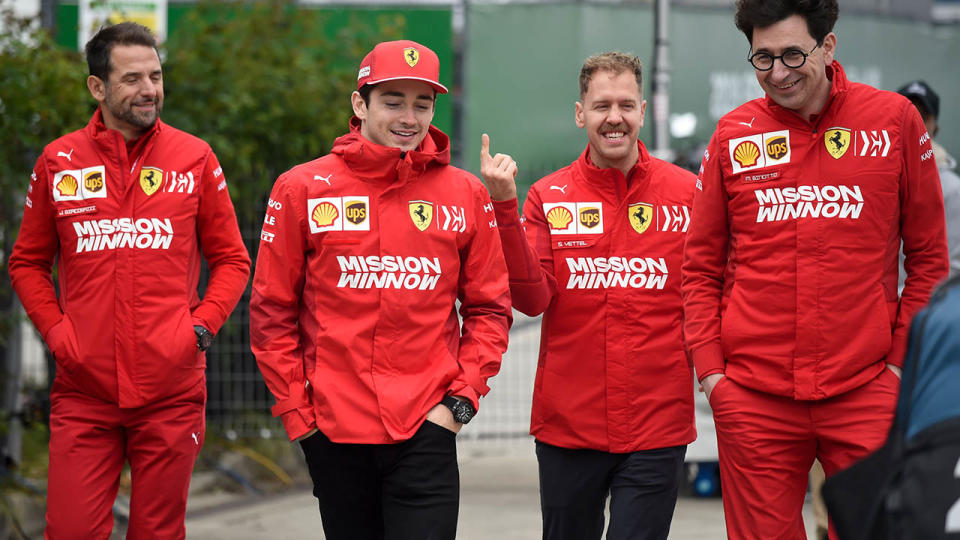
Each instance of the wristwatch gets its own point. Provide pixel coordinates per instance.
(204, 337)
(462, 411)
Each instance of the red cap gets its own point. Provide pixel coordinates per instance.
(404, 59)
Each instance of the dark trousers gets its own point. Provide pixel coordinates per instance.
(574, 485)
(404, 491)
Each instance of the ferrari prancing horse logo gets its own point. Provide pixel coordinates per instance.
(837, 140)
(421, 212)
(151, 178)
(640, 215)
(411, 55)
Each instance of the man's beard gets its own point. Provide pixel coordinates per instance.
(130, 116)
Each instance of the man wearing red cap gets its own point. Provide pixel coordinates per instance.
(363, 256)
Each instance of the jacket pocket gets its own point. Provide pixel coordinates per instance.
(62, 341)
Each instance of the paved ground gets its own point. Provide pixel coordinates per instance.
(499, 501)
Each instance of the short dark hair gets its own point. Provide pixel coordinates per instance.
(615, 62)
(820, 15)
(99, 47)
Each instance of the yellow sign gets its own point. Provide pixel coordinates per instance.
(640, 216)
(421, 212)
(837, 140)
(151, 178)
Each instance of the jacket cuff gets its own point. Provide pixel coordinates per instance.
(506, 212)
(467, 393)
(295, 424)
(708, 360)
(197, 321)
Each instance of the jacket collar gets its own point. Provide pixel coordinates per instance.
(839, 86)
(374, 162)
(109, 139)
(611, 179)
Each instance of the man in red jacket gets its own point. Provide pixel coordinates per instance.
(127, 206)
(790, 272)
(598, 252)
(363, 256)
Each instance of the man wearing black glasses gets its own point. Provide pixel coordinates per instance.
(790, 272)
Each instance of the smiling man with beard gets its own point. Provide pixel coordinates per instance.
(598, 253)
(128, 207)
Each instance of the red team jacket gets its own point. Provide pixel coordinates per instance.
(363, 255)
(602, 262)
(790, 276)
(128, 236)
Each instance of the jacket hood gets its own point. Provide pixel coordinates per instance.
(374, 161)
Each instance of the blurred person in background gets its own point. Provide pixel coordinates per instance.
(927, 103)
(364, 255)
(127, 206)
(791, 311)
(597, 252)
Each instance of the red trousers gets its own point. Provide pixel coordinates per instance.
(91, 439)
(767, 444)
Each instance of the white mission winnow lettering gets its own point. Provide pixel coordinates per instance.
(780, 204)
(609, 272)
(389, 272)
(118, 233)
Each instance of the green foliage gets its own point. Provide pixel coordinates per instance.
(268, 87)
(42, 96)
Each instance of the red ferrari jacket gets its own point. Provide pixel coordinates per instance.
(128, 231)
(363, 256)
(601, 260)
(790, 274)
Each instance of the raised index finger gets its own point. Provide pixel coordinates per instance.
(484, 146)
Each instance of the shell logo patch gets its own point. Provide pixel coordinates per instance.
(837, 140)
(421, 212)
(68, 185)
(746, 154)
(412, 56)
(640, 215)
(80, 184)
(348, 213)
(560, 217)
(151, 178)
(324, 214)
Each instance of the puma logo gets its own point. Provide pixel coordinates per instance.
(66, 155)
(560, 189)
(196, 441)
(325, 179)
(750, 125)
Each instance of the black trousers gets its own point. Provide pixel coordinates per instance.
(404, 491)
(642, 486)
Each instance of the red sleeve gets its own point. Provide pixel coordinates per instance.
(275, 308)
(33, 253)
(704, 260)
(922, 227)
(222, 247)
(484, 295)
(531, 289)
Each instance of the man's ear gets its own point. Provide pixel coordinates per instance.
(97, 87)
(359, 106)
(578, 115)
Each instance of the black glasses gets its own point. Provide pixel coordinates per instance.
(792, 58)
